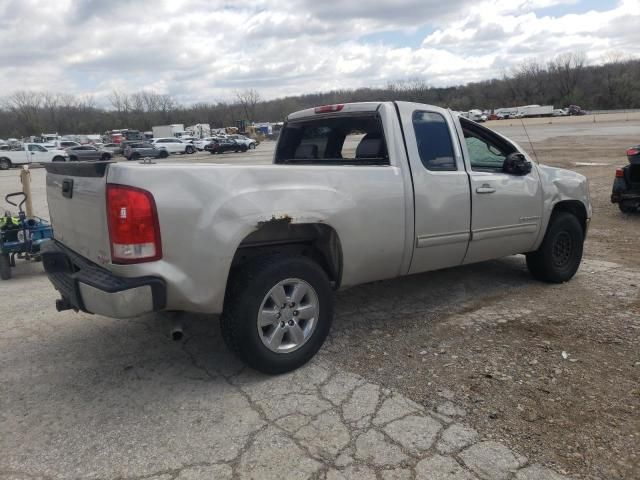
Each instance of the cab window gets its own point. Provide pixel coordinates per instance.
(346, 140)
(37, 148)
(434, 141)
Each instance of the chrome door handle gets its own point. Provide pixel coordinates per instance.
(486, 188)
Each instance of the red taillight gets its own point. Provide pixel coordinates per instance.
(134, 233)
(632, 152)
(329, 108)
(619, 173)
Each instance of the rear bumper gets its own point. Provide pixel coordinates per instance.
(88, 287)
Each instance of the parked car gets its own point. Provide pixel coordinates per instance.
(223, 145)
(64, 144)
(136, 150)
(88, 153)
(31, 153)
(112, 148)
(173, 145)
(423, 190)
(201, 143)
(241, 139)
(576, 110)
(626, 185)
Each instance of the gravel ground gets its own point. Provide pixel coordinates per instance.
(428, 376)
(491, 337)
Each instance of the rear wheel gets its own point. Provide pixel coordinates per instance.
(278, 311)
(163, 154)
(190, 150)
(105, 157)
(73, 159)
(5, 267)
(558, 258)
(5, 164)
(135, 156)
(626, 207)
(58, 159)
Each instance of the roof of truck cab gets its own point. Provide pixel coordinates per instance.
(355, 107)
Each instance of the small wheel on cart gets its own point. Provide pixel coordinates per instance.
(5, 267)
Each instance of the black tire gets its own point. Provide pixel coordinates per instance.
(5, 164)
(252, 146)
(163, 154)
(58, 159)
(5, 267)
(73, 158)
(135, 156)
(190, 150)
(558, 258)
(626, 208)
(247, 288)
(105, 157)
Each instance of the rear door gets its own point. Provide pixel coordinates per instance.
(441, 187)
(507, 208)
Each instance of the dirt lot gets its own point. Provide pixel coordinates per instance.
(493, 339)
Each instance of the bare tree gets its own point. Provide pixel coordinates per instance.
(248, 99)
(565, 70)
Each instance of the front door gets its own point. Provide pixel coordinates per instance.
(441, 187)
(507, 208)
(38, 154)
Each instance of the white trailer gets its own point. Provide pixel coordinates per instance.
(174, 130)
(536, 110)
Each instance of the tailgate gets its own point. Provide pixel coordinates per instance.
(77, 207)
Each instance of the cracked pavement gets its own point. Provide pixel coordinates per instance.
(91, 397)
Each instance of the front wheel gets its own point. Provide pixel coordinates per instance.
(163, 154)
(5, 267)
(252, 146)
(278, 311)
(558, 258)
(105, 157)
(58, 159)
(190, 150)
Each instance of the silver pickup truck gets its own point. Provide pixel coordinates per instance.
(356, 193)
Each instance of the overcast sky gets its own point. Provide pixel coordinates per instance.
(199, 50)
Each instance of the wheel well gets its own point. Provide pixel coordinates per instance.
(575, 208)
(314, 240)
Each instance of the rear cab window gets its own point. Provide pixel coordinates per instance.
(354, 139)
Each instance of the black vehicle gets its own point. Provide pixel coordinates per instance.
(87, 152)
(136, 150)
(225, 145)
(626, 186)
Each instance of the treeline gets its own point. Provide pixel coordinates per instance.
(563, 81)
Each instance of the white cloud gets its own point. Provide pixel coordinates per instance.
(199, 50)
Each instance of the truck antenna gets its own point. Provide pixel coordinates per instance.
(530, 142)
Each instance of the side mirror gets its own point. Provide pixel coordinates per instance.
(516, 164)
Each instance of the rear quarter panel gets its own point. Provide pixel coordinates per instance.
(205, 211)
